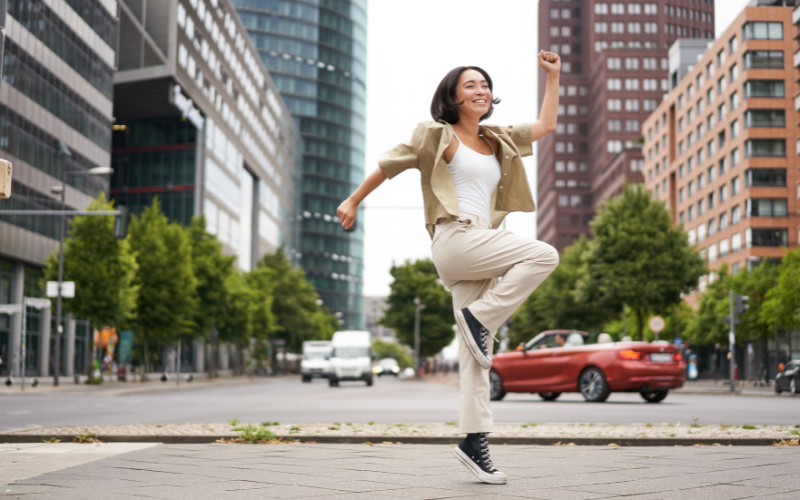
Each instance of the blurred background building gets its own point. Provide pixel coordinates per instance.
(614, 74)
(718, 148)
(56, 103)
(316, 54)
(373, 312)
(200, 124)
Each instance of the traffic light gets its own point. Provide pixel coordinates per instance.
(741, 305)
(121, 223)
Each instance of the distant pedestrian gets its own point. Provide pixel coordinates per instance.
(472, 177)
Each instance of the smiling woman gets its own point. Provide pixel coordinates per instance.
(472, 177)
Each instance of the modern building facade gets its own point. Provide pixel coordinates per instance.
(200, 124)
(718, 149)
(56, 102)
(614, 73)
(316, 53)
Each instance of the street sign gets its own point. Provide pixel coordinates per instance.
(656, 324)
(37, 303)
(67, 289)
(10, 308)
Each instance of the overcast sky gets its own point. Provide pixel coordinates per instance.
(411, 46)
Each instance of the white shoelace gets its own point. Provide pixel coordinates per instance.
(487, 460)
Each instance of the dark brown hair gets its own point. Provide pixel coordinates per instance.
(444, 105)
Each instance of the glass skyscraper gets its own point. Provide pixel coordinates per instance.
(315, 51)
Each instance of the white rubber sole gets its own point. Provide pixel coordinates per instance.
(469, 341)
(497, 478)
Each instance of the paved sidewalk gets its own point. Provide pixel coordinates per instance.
(419, 472)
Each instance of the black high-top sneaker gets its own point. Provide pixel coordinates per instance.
(473, 452)
(473, 334)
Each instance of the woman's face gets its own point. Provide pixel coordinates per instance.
(474, 95)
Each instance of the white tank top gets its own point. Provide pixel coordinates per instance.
(476, 176)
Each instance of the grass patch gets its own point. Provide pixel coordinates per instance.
(371, 422)
(795, 432)
(450, 422)
(52, 439)
(695, 425)
(234, 421)
(748, 426)
(332, 428)
(268, 423)
(648, 425)
(86, 438)
(251, 434)
(294, 429)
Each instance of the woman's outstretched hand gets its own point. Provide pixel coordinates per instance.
(550, 62)
(347, 213)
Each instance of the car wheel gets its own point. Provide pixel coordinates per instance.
(592, 384)
(333, 383)
(793, 386)
(306, 379)
(549, 396)
(496, 392)
(369, 382)
(654, 396)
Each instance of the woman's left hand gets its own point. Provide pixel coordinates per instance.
(550, 62)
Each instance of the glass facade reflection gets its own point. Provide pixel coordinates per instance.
(315, 51)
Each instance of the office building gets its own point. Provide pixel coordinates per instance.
(614, 74)
(374, 307)
(718, 148)
(316, 54)
(56, 102)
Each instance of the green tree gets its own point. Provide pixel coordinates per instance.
(165, 303)
(211, 270)
(781, 307)
(419, 279)
(261, 281)
(102, 268)
(237, 319)
(294, 306)
(755, 284)
(637, 257)
(393, 350)
(708, 326)
(555, 304)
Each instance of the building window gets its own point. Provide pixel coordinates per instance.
(690, 188)
(763, 59)
(574, 200)
(765, 147)
(736, 215)
(733, 73)
(651, 28)
(563, 200)
(690, 213)
(601, 27)
(614, 146)
(631, 84)
(614, 125)
(720, 58)
(734, 128)
(765, 118)
(720, 85)
(601, 8)
(680, 124)
(734, 101)
(614, 84)
(631, 63)
(735, 186)
(764, 88)
(617, 8)
(614, 63)
(631, 104)
(554, 30)
(732, 45)
(632, 126)
(614, 104)
(723, 193)
(767, 207)
(765, 177)
(762, 31)
(778, 237)
(723, 221)
(680, 101)
(736, 242)
(634, 8)
(559, 166)
(634, 28)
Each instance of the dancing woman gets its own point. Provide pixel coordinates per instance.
(472, 177)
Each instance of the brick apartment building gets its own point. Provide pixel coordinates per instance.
(718, 148)
(614, 74)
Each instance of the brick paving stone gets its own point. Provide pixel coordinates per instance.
(421, 472)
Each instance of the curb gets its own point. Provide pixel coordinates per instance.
(440, 440)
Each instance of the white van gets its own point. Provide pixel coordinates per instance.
(352, 357)
(316, 362)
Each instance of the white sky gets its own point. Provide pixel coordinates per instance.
(411, 46)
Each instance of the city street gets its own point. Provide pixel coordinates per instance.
(390, 400)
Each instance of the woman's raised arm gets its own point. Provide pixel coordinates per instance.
(349, 207)
(548, 115)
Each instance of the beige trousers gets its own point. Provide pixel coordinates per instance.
(470, 258)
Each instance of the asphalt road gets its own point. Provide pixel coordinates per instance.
(287, 400)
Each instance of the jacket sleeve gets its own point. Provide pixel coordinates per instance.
(405, 155)
(521, 137)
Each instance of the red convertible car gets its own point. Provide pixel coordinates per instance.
(558, 361)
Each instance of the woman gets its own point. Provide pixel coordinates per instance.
(472, 177)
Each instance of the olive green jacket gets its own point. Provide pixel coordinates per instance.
(425, 152)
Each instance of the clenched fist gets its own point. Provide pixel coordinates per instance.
(550, 62)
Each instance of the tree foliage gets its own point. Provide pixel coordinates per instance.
(393, 350)
(294, 305)
(637, 257)
(211, 271)
(165, 303)
(781, 307)
(101, 266)
(555, 304)
(419, 279)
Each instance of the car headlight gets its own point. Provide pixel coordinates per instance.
(396, 369)
(377, 369)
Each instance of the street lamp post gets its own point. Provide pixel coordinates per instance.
(59, 328)
(417, 308)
